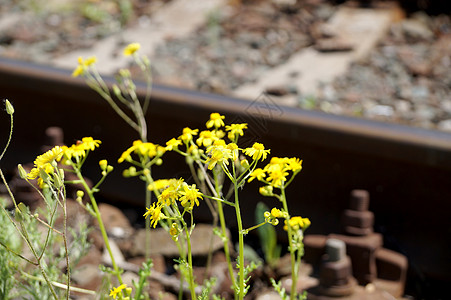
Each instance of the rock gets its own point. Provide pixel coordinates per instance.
(128, 278)
(303, 283)
(333, 45)
(87, 276)
(93, 257)
(114, 220)
(416, 30)
(115, 251)
(444, 125)
(381, 110)
(268, 295)
(159, 263)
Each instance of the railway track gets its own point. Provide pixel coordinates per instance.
(407, 171)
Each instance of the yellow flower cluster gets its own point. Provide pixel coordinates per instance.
(216, 151)
(79, 149)
(131, 49)
(45, 164)
(143, 149)
(297, 223)
(117, 291)
(272, 217)
(276, 172)
(172, 190)
(83, 64)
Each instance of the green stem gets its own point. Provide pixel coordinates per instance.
(225, 240)
(101, 225)
(147, 220)
(9, 138)
(241, 246)
(41, 268)
(294, 269)
(190, 263)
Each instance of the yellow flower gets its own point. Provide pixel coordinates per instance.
(188, 133)
(154, 213)
(206, 138)
(115, 291)
(277, 176)
(294, 164)
(216, 120)
(276, 213)
(257, 151)
(257, 173)
(172, 144)
(89, 143)
(83, 65)
(190, 195)
(131, 48)
(158, 185)
(234, 150)
(44, 162)
(235, 130)
(171, 192)
(79, 70)
(90, 61)
(76, 150)
(141, 148)
(218, 154)
(298, 223)
(148, 149)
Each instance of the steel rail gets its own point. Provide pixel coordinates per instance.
(398, 142)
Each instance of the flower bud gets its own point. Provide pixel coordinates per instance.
(116, 90)
(22, 172)
(9, 107)
(103, 164)
(245, 163)
(125, 73)
(159, 162)
(132, 171)
(57, 180)
(266, 190)
(44, 175)
(80, 194)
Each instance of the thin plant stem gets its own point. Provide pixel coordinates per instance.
(9, 137)
(41, 268)
(190, 262)
(240, 239)
(60, 285)
(101, 225)
(294, 269)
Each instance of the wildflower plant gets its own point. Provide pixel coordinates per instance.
(50, 186)
(216, 162)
